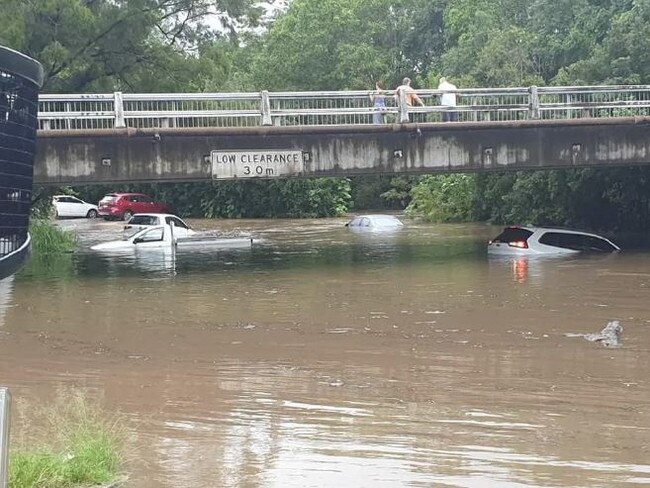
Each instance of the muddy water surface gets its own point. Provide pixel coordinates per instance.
(324, 358)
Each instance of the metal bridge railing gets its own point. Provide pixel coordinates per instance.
(182, 110)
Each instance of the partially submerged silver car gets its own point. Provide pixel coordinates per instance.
(374, 222)
(526, 241)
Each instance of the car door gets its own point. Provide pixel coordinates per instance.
(180, 228)
(64, 207)
(77, 207)
(151, 238)
(145, 204)
(134, 204)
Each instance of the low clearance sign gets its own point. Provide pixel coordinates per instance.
(256, 164)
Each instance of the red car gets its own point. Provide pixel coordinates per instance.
(124, 205)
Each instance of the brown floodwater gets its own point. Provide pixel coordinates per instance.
(323, 358)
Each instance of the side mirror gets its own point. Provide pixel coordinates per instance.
(138, 240)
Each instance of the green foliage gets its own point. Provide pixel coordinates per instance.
(336, 44)
(398, 196)
(381, 192)
(599, 199)
(135, 45)
(49, 239)
(443, 198)
(77, 446)
(317, 197)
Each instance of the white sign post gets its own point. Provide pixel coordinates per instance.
(5, 416)
(256, 164)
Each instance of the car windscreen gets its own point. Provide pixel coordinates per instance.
(513, 234)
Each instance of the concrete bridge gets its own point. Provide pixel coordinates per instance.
(116, 138)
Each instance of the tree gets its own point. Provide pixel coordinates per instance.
(443, 198)
(119, 44)
(338, 44)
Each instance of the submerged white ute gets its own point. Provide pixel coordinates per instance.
(165, 237)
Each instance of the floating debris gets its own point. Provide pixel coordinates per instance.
(610, 336)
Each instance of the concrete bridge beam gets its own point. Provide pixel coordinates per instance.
(159, 155)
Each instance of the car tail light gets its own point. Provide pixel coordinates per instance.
(519, 244)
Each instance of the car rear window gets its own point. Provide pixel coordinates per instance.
(109, 198)
(513, 234)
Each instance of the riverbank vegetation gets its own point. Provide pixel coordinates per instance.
(47, 238)
(105, 46)
(68, 444)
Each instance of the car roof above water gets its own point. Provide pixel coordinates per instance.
(552, 229)
(378, 218)
(161, 215)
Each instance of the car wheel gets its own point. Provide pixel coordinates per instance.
(127, 215)
(92, 214)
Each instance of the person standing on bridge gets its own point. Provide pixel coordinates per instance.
(409, 94)
(448, 100)
(378, 103)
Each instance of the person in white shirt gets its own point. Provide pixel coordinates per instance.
(448, 99)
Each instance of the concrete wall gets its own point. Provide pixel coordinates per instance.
(130, 155)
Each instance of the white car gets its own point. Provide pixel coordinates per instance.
(142, 221)
(69, 206)
(525, 241)
(166, 237)
(374, 222)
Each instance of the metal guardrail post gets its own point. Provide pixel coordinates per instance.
(5, 416)
(266, 109)
(403, 107)
(533, 103)
(118, 107)
(68, 108)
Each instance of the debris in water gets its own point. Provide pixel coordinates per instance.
(610, 336)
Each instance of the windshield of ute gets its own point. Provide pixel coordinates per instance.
(144, 220)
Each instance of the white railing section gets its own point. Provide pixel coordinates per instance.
(184, 110)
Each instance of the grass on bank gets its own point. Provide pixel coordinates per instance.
(47, 238)
(69, 444)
